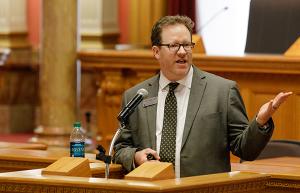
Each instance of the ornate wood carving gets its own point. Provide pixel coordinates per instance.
(248, 187)
(283, 184)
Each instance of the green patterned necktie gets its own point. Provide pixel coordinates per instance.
(168, 138)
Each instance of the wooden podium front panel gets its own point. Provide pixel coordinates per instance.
(32, 181)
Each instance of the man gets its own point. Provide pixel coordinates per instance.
(196, 123)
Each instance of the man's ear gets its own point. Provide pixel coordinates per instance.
(155, 51)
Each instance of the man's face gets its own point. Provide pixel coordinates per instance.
(174, 64)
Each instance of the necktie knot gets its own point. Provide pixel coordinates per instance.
(173, 86)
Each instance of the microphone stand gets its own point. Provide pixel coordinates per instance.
(116, 136)
(107, 158)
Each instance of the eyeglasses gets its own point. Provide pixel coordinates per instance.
(175, 47)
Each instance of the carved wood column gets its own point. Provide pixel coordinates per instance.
(111, 87)
(58, 72)
(143, 14)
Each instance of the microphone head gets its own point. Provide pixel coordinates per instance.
(143, 92)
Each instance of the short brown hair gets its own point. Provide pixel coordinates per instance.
(169, 20)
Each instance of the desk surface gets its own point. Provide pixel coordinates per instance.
(48, 156)
(24, 159)
(281, 167)
(37, 146)
(278, 161)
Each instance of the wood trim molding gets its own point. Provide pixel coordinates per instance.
(140, 59)
(14, 40)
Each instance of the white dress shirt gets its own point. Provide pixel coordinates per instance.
(182, 93)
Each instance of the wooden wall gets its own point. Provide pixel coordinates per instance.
(260, 78)
(106, 74)
(18, 93)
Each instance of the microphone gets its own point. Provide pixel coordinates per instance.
(129, 108)
(215, 15)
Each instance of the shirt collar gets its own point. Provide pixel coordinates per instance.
(186, 81)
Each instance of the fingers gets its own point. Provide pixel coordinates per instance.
(271, 105)
(150, 151)
(143, 155)
(267, 110)
(280, 98)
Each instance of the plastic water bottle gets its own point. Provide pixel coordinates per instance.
(77, 141)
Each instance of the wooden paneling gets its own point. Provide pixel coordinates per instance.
(260, 78)
(18, 92)
(143, 14)
(284, 171)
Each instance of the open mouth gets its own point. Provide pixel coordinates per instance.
(181, 61)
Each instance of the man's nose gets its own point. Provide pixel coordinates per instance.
(181, 50)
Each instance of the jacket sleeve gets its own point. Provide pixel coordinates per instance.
(246, 139)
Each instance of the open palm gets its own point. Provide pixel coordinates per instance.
(268, 109)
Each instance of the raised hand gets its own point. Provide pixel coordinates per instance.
(269, 108)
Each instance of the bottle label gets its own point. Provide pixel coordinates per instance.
(77, 149)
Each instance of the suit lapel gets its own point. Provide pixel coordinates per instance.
(196, 95)
(151, 110)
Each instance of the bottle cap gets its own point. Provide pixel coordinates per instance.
(77, 124)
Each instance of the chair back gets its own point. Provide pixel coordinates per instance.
(280, 148)
(273, 25)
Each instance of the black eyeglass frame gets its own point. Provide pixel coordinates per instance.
(192, 44)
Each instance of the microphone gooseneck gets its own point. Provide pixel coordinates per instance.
(212, 18)
(130, 107)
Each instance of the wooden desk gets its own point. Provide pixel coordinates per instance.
(20, 159)
(260, 78)
(37, 146)
(32, 181)
(278, 161)
(284, 171)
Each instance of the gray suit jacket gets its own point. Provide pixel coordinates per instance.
(216, 123)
